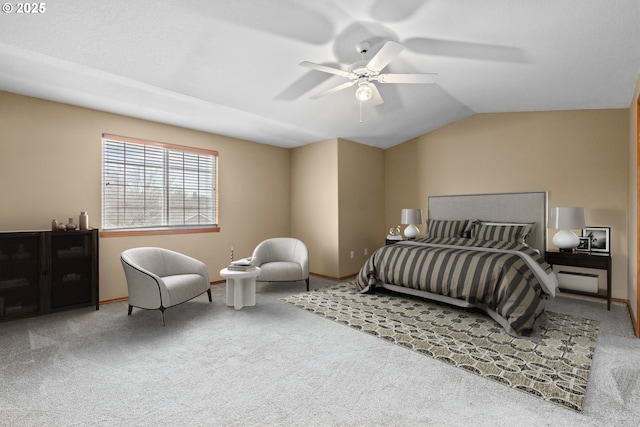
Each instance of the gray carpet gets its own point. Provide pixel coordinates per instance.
(274, 364)
(554, 367)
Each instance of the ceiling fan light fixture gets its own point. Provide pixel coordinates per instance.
(364, 92)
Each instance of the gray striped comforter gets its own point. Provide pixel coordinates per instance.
(487, 274)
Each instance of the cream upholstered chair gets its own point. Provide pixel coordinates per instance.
(282, 259)
(158, 278)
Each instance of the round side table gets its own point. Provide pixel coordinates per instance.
(241, 287)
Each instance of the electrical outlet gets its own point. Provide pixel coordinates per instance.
(352, 254)
(366, 251)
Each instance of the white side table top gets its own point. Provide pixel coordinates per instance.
(235, 274)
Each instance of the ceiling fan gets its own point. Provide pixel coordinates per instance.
(364, 73)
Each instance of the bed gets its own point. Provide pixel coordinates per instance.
(484, 251)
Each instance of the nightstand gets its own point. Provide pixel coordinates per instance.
(392, 241)
(584, 260)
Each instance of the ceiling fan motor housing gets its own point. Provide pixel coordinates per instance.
(363, 47)
(359, 69)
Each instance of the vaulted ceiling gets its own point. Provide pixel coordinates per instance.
(231, 67)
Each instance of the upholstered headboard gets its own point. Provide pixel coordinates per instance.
(507, 207)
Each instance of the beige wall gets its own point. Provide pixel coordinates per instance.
(337, 193)
(579, 157)
(360, 204)
(314, 203)
(50, 167)
(402, 187)
(634, 138)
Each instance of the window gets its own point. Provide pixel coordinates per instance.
(155, 186)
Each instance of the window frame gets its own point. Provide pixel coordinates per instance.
(161, 229)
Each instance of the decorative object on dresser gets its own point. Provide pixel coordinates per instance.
(411, 217)
(566, 219)
(71, 225)
(47, 271)
(83, 221)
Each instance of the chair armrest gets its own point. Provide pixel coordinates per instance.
(144, 287)
(260, 255)
(301, 256)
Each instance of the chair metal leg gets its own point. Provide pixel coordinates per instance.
(130, 308)
(307, 283)
(209, 293)
(162, 313)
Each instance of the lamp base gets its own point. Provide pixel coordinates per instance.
(411, 232)
(567, 250)
(566, 240)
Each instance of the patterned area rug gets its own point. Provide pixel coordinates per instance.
(555, 368)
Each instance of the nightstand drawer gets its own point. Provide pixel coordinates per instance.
(582, 282)
(392, 241)
(578, 260)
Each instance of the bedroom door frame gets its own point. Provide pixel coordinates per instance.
(636, 326)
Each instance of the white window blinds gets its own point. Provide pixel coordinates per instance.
(154, 185)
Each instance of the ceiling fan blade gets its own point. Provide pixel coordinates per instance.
(408, 78)
(385, 55)
(376, 98)
(326, 69)
(333, 89)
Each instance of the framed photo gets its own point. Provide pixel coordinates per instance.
(584, 245)
(599, 238)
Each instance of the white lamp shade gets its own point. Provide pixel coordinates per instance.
(566, 218)
(411, 216)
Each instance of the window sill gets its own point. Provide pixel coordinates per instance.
(157, 232)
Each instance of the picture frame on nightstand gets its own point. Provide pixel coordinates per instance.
(584, 245)
(599, 238)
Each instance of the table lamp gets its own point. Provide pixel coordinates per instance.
(566, 219)
(411, 217)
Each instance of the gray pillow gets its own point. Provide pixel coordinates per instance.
(446, 228)
(502, 231)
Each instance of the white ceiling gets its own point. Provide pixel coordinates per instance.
(230, 67)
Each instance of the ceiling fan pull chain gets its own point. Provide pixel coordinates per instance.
(362, 50)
